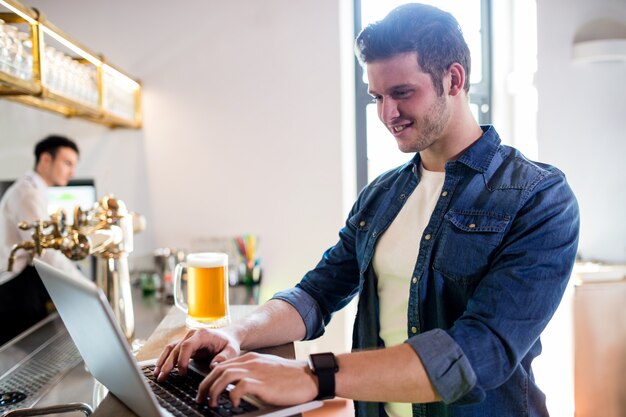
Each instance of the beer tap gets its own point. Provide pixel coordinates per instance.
(28, 245)
(106, 231)
(69, 241)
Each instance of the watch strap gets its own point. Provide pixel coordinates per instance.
(324, 366)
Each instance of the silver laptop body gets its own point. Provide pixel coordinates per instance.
(89, 320)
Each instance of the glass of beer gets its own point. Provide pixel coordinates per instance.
(207, 289)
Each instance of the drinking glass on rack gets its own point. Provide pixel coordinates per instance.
(14, 50)
(26, 71)
(92, 85)
(55, 70)
(86, 87)
(69, 70)
(49, 68)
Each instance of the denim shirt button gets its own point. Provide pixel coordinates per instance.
(414, 330)
(362, 223)
(472, 226)
(444, 194)
(427, 237)
(402, 196)
(414, 280)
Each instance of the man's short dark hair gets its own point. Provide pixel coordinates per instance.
(51, 145)
(434, 34)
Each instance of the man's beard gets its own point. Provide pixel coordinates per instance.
(429, 126)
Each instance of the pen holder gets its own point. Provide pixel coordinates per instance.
(250, 273)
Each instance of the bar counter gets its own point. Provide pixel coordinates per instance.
(160, 324)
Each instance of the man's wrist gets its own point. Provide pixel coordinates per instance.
(236, 333)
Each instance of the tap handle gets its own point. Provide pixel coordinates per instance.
(38, 225)
(59, 223)
(24, 225)
(79, 217)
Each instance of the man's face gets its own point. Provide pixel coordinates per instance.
(408, 104)
(58, 170)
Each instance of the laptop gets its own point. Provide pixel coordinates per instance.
(90, 322)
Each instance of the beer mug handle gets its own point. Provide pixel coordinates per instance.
(178, 288)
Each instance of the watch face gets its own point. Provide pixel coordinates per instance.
(324, 361)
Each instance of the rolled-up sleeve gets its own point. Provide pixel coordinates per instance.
(306, 306)
(448, 368)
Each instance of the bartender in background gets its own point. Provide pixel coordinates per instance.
(23, 298)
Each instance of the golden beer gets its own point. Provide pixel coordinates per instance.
(207, 289)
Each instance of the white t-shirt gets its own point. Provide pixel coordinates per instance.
(394, 261)
(26, 199)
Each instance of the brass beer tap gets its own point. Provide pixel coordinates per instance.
(27, 245)
(69, 241)
(106, 231)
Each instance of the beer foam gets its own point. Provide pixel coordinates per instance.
(207, 259)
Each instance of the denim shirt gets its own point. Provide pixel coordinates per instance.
(493, 263)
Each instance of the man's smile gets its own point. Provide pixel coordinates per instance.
(400, 127)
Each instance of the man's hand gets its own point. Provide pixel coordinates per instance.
(270, 378)
(200, 343)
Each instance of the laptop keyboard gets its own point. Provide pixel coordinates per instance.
(177, 395)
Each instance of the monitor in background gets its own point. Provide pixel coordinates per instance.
(79, 192)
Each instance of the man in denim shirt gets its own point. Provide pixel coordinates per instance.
(488, 236)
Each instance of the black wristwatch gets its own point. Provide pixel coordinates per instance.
(324, 365)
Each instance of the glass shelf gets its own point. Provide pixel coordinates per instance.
(43, 67)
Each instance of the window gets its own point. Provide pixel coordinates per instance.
(376, 150)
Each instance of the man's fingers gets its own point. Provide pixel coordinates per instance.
(187, 348)
(176, 354)
(168, 363)
(198, 344)
(274, 380)
(227, 354)
(164, 354)
(217, 381)
(246, 386)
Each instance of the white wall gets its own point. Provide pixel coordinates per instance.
(242, 123)
(582, 121)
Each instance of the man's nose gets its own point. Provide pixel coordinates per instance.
(388, 110)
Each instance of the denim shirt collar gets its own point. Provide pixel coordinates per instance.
(480, 154)
(477, 157)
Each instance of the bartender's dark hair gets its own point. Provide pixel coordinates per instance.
(434, 34)
(51, 145)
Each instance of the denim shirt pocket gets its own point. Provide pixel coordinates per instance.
(468, 239)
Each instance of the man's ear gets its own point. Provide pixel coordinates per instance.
(45, 159)
(457, 78)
